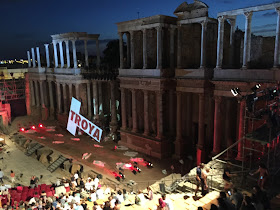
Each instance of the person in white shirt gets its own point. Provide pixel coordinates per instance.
(96, 182)
(120, 196)
(99, 193)
(93, 196)
(76, 176)
(168, 202)
(1, 175)
(112, 202)
(142, 197)
(88, 185)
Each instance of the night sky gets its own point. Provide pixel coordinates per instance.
(29, 23)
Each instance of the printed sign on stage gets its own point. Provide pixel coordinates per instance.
(76, 120)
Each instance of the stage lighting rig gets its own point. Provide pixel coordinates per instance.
(137, 168)
(149, 164)
(122, 175)
(235, 91)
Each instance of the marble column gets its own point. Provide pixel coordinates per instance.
(55, 54)
(231, 42)
(47, 55)
(159, 47)
(171, 112)
(178, 142)
(37, 98)
(121, 49)
(217, 126)
(189, 113)
(241, 129)
(113, 104)
(201, 127)
(146, 113)
(203, 44)
(74, 53)
(58, 94)
(128, 54)
(96, 102)
(159, 115)
(51, 95)
(33, 102)
(247, 39)
(42, 94)
(38, 57)
(77, 91)
(277, 39)
(61, 54)
(86, 53)
(97, 54)
(29, 60)
(134, 113)
(33, 57)
(220, 42)
(132, 65)
(179, 47)
(172, 48)
(123, 107)
(228, 125)
(67, 53)
(145, 56)
(70, 87)
(100, 100)
(89, 101)
(65, 103)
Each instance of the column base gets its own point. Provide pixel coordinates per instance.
(239, 157)
(218, 68)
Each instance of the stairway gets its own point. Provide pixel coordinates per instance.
(53, 166)
(30, 151)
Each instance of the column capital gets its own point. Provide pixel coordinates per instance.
(158, 28)
(54, 42)
(144, 30)
(204, 23)
(171, 29)
(133, 91)
(46, 45)
(66, 41)
(221, 19)
(122, 89)
(120, 34)
(145, 91)
(248, 15)
(232, 21)
(218, 99)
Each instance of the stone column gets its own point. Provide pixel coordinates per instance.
(159, 115)
(178, 142)
(61, 55)
(123, 104)
(67, 53)
(134, 113)
(247, 39)
(159, 47)
(70, 87)
(201, 124)
(74, 53)
(132, 65)
(179, 47)
(33, 57)
(38, 57)
(42, 94)
(65, 103)
(217, 126)
(86, 53)
(51, 96)
(97, 54)
(29, 60)
(37, 93)
(27, 94)
(220, 42)
(171, 112)
(189, 114)
(128, 54)
(114, 121)
(77, 91)
(228, 126)
(32, 93)
(100, 100)
(277, 37)
(95, 96)
(55, 54)
(172, 51)
(146, 113)
(121, 49)
(203, 44)
(241, 129)
(89, 100)
(58, 94)
(145, 56)
(47, 55)
(232, 32)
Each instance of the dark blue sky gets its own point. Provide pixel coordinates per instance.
(29, 23)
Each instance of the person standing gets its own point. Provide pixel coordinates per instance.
(236, 198)
(204, 186)
(12, 175)
(198, 177)
(1, 175)
(263, 175)
(227, 175)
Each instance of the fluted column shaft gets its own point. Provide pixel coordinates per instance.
(159, 47)
(203, 44)
(38, 57)
(178, 142)
(61, 54)
(241, 129)
(67, 53)
(232, 32)
(51, 95)
(113, 104)
(77, 89)
(171, 112)
(86, 53)
(74, 53)
(134, 113)
(70, 87)
(159, 115)
(145, 56)
(200, 144)
(37, 93)
(29, 60)
(33, 57)
(58, 94)
(89, 101)
(179, 47)
(247, 39)
(95, 96)
(100, 99)
(47, 54)
(32, 93)
(277, 37)
(123, 107)
(65, 103)
(55, 54)
(121, 49)
(42, 94)
(220, 42)
(146, 113)
(217, 126)
(132, 52)
(172, 48)
(128, 54)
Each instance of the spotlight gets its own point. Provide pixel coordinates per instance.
(22, 129)
(41, 125)
(137, 169)
(257, 86)
(149, 164)
(122, 175)
(235, 91)
(33, 127)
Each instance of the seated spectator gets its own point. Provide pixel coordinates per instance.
(259, 197)
(247, 204)
(99, 193)
(236, 198)
(92, 196)
(120, 196)
(168, 202)
(213, 207)
(149, 194)
(162, 204)
(117, 205)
